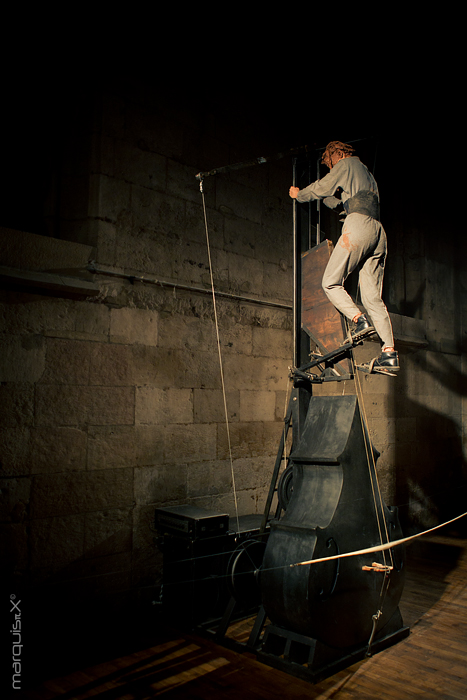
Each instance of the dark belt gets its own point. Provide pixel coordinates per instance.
(364, 202)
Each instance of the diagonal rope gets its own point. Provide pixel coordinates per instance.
(376, 491)
(377, 548)
(375, 487)
(374, 482)
(354, 553)
(220, 354)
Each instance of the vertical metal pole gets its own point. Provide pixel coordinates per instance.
(301, 395)
(296, 280)
(318, 210)
(310, 218)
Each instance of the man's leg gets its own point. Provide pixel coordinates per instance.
(371, 286)
(344, 259)
(363, 241)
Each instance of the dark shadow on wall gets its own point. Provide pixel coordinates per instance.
(431, 472)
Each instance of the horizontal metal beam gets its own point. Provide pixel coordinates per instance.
(53, 282)
(185, 287)
(255, 161)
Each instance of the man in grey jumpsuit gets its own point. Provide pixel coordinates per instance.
(362, 244)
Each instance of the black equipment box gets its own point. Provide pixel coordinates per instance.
(191, 522)
(201, 555)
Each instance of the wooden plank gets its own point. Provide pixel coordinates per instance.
(320, 319)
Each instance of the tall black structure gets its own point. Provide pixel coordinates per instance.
(324, 603)
(323, 616)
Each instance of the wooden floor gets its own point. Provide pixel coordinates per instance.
(430, 663)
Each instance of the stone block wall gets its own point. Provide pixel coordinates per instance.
(113, 405)
(100, 426)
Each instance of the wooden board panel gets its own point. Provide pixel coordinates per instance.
(320, 319)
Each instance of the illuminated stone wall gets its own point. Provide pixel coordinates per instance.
(111, 402)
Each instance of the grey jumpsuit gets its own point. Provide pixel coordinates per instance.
(362, 244)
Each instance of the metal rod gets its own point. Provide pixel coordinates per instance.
(277, 465)
(318, 210)
(296, 281)
(258, 161)
(228, 168)
(310, 226)
(255, 161)
(185, 287)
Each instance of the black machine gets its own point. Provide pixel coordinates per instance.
(319, 606)
(207, 565)
(327, 614)
(191, 522)
(319, 616)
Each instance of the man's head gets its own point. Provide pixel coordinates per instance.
(334, 151)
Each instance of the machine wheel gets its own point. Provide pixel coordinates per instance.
(285, 487)
(243, 573)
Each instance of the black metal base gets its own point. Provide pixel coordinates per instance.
(313, 661)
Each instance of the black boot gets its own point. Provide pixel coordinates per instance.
(362, 327)
(388, 360)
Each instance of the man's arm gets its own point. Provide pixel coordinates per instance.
(331, 202)
(325, 187)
